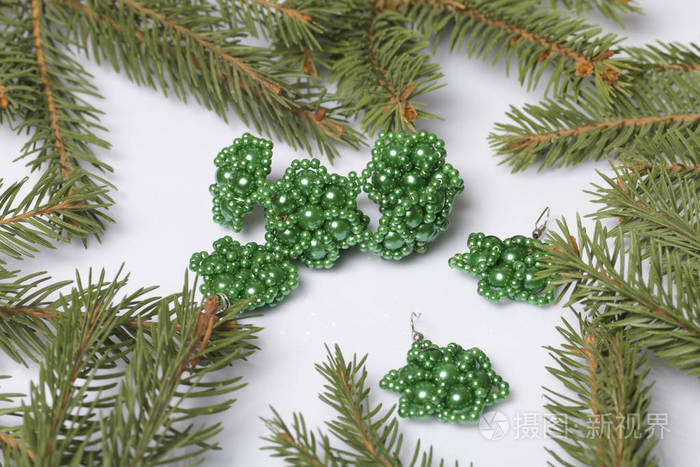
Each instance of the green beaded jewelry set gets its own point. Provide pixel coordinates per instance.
(311, 215)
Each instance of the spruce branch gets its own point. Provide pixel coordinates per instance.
(380, 67)
(569, 131)
(369, 436)
(87, 408)
(288, 23)
(537, 36)
(602, 416)
(47, 214)
(663, 56)
(609, 8)
(173, 48)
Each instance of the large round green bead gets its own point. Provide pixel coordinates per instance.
(393, 241)
(310, 217)
(413, 217)
(426, 233)
(251, 154)
(339, 228)
(413, 181)
(288, 236)
(422, 392)
(306, 179)
(445, 372)
(274, 274)
(333, 197)
(383, 182)
(282, 203)
(459, 397)
(530, 283)
(499, 276)
(316, 251)
(224, 175)
(515, 253)
(394, 155)
(222, 283)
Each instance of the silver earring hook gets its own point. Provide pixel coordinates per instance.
(541, 225)
(417, 336)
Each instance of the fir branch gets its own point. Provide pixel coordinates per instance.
(47, 215)
(537, 36)
(373, 437)
(567, 132)
(609, 8)
(606, 274)
(604, 421)
(74, 409)
(36, 72)
(288, 23)
(175, 49)
(663, 56)
(380, 67)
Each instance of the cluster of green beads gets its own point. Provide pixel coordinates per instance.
(507, 268)
(450, 383)
(245, 271)
(311, 214)
(241, 171)
(415, 189)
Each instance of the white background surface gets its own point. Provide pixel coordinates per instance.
(162, 154)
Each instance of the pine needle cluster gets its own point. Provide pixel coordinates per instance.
(369, 435)
(121, 380)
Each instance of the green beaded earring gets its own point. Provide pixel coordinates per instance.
(450, 383)
(508, 268)
(242, 169)
(415, 189)
(311, 214)
(249, 271)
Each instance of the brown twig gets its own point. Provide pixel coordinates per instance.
(48, 92)
(39, 212)
(357, 420)
(14, 444)
(530, 139)
(589, 351)
(4, 102)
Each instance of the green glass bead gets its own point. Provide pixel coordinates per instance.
(459, 397)
(222, 282)
(449, 383)
(310, 217)
(499, 276)
(414, 217)
(445, 372)
(333, 198)
(283, 203)
(507, 268)
(383, 182)
(423, 392)
(413, 181)
(393, 241)
(532, 284)
(426, 233)
(340, 229)
(306, 180)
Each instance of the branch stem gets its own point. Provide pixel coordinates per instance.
(48, 92)
(14, 444)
